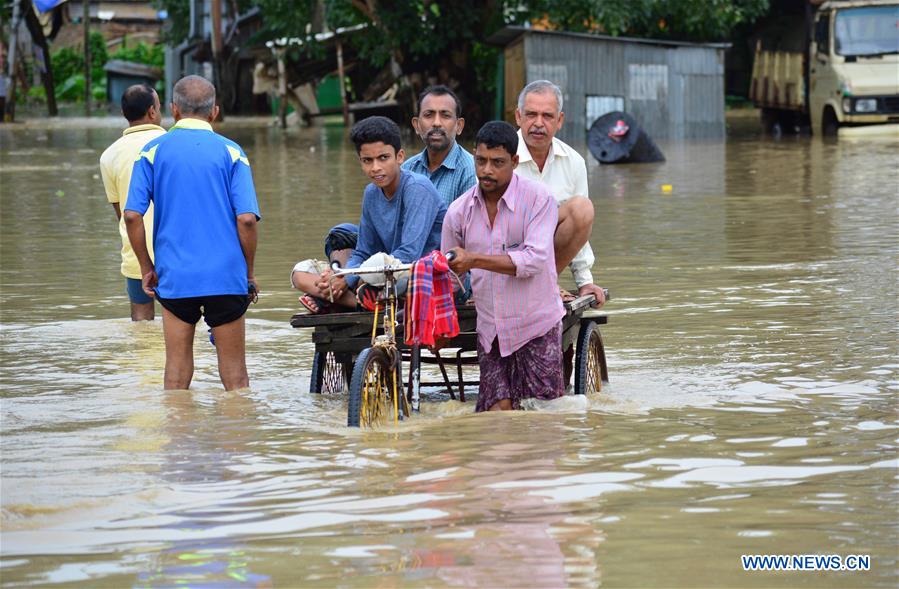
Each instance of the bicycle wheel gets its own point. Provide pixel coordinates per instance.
(328, 375)
(590, 362)
(371, 391)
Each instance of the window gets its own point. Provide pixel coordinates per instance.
(822, 34)
(867, 30)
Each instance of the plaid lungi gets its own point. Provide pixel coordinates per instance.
(532, 371)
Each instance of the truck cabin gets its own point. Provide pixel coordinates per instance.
(854, 65)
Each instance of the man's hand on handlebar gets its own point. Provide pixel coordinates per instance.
(459, 260)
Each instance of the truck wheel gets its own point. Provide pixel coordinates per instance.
(829, 123)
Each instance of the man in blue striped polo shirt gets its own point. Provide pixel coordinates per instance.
(204, 234)
(443, 161)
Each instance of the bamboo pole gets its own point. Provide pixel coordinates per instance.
(282, 88)
(39, 39)
(86, 21)
(216, 28)
(11, 61)
(343, 100)
(216, 17)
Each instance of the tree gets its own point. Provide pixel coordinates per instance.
(684, 20)
(445, 40)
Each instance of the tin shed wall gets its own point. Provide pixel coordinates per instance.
(674, 92)
(514, 78)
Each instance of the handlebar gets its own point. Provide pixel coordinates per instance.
(374, 269)
(450, 256)
(338, 271)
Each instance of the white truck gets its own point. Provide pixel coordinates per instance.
(848, 78)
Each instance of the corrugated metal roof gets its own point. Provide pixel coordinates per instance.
(675, 91)
(129, 68)
(510, 33)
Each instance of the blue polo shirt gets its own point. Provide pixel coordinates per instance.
(199, 182)
(451, 178)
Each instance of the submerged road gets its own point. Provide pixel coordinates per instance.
(752, 409)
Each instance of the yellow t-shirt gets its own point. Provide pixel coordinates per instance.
(116, 164)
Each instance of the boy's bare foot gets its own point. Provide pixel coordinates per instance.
(313, 304)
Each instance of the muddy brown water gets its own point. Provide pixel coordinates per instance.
(752, 407)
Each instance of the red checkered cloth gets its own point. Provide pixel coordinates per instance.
(430, 310)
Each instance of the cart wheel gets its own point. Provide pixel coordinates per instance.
(328, 375)
(371, 391)
(590, 364)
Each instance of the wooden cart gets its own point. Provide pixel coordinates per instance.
(341, 338)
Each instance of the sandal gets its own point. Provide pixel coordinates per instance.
(315, 305)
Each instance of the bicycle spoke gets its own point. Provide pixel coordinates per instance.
(594, 373)
(333, 379)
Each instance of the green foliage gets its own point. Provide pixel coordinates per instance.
(417, 30)
(734, 102)
(611, 17)
(446, 38)
(484, 60)
(427, 27)
(153, 55)
(688, 20)
(68, 70)
(72, 89)
(98, 90)
(177, 25)
(291, 20)
(69, 61)
(421, 29)
(421, 34)
(36, 94)
(99, 57)
(68, 67)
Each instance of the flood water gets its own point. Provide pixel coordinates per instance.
(752, 409)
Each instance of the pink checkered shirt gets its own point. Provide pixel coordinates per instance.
(519, 308)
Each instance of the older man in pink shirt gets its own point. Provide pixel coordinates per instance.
(502, 231)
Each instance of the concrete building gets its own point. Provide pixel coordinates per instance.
(675, 90)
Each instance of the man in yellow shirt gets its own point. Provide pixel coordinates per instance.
(140, 106)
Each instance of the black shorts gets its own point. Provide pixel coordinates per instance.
(216, 309)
